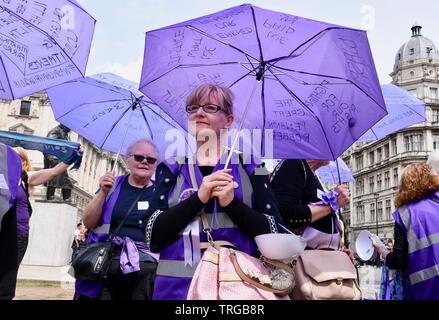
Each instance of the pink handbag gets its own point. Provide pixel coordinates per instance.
(229, 274)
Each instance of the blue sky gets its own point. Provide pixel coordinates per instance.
(121, 25)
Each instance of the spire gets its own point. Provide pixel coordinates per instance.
(416, 30)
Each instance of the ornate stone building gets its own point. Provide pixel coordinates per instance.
(33, 115)
(377, 166)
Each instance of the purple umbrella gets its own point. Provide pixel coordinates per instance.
(42, 44)
(404, 110)
(312, 84)
(331, 174)
(110, 112)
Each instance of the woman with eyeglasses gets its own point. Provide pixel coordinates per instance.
(132, 269)
(238, 201)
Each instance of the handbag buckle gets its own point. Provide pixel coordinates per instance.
(339, 281)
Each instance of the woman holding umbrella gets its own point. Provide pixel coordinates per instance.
(238, 200)
(131, 272)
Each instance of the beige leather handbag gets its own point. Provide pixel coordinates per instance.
(325, 275)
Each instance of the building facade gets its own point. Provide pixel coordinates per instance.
(377, 166)
(33, 115)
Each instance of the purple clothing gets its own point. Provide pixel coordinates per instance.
(420, 220)
(129, 258)
(174, 275)
(22, 212)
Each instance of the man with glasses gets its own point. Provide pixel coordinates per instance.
(132, 269)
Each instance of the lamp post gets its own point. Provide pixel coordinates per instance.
(376, 195)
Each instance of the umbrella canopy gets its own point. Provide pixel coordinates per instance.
(329, 173)
(42, 44)
(312, 84)
(403, 110)
(110, 112)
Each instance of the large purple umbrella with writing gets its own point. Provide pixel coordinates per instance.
(42, 44)
(404, 110)
(111, 112)
(312, 85)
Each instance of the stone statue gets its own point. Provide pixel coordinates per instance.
(61, 181)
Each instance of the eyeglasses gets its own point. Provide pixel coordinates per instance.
(208, 108)
(140, 158)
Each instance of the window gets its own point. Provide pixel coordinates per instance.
(371, 157)
(379, 154)
(360, 214)
(380, 211)
(433, 93)
(371, 184)
(412, 74)
(25, 108)
(435, 116)
(395, 177)
(412, 51)
(359, 162)
(359, 187)
(414, 142)
(372, 212)
(386, 180)
(413, 92)
(388, 209)
(435, 141)
(386, 151)
(394, 147)
(379, 182)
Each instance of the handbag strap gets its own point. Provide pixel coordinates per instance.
(112, 235)
(249, 280)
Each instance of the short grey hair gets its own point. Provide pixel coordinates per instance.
(433, 161)
(131, 147)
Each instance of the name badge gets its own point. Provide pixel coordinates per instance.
(320, 194)
(142, 205)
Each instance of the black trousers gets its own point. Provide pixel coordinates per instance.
(22, 242)
(132, 286)
(8, 255)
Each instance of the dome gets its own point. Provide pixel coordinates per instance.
(417, 47)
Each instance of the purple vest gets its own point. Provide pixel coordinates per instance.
(420, 220)
(10, 174)
(92, 289)
(174, 276)
(22, 212)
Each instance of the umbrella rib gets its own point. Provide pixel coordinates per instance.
(213, 38)
(83, 80)
(147, 124)
(311, 74)
(412, 109)
(312, 112)
(46, 34)
(160, 116)
(86, 103)
(257, 34)
(340, 78)
(82, 9)
(320, 34)
(7, 77)
(114, 125)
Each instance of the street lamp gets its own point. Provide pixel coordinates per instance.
(376, 195)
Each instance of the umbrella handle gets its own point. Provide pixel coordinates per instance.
(232, 149)
(338, 171)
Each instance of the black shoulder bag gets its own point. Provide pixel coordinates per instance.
(92, 260)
